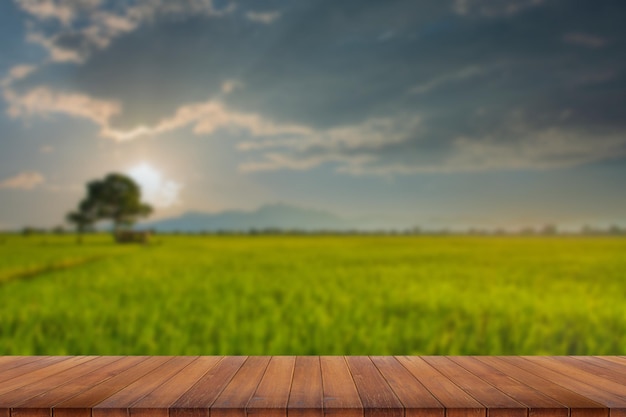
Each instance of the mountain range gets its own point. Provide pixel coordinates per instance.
(270, 216)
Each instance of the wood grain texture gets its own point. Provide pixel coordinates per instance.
(81, 405)
(539, 405)
(307, 397)
(376, 395)
(117, 404)
(313, 386)
(198, 399)
(39, 386)
(272, 395)
(498, 403)
(457, 402)
(416, 399)
(158, 402)
(235, 397)
(340, 393)
(579, 405)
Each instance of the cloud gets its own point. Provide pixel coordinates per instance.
(263, 17)
(493, 8)
(460, 75)
(63, 11)
(26, 180)
(88, 25)
(515, 145)
(205, 117)
(585, 39)
(16, 73)
(43, 101)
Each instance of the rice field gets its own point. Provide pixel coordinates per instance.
(306, 295)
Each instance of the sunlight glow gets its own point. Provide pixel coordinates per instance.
(155, 189)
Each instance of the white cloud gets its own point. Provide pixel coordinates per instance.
(93, 27)
(206, 118)
(62, 11)
(585, 39)
(493, 8)
(264, 17)
(515, 147)
(26, 180)
(460, 75)
(43, 101)
(16, 73)
(56, 52)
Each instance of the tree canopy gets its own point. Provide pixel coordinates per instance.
(116, 197)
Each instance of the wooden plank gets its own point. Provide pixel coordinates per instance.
(198, 399)
(157, 403)
(41, 373)
(376, 395)
(593, 393)
(416, 399)
(117, 404)
(579, 405)
(9, 362)
(232, 401)
(613, 360)
(498, 403)
(81, 404)
(272, 394)
(20, 395)
(26, 368)
(598, 367)
(72, 387)
(457, 402)
(539, 405)
(614, 392)
(341, 396)
(307, 396)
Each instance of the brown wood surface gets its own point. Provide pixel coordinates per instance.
(272, 395)
(578, 405)
(235, 397)
(498, 403)
(198, 399)
(416, 399)
(312, 386)
(538, 404)
(457, 402)
(306, 398)
(340, 393)
(158, 402)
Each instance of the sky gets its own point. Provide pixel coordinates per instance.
(435, 113)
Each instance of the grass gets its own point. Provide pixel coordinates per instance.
(189, 295)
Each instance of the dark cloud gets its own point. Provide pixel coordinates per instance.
(490, 73)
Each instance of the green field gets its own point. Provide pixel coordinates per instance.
(189, 295)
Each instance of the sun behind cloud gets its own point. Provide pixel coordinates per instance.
(155, 189)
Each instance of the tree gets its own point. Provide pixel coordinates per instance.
(83, 218)
(116, 198)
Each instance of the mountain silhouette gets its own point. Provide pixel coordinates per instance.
(270, 216)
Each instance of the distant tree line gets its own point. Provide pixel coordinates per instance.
(549, 230)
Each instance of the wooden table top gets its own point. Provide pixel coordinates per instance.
(312, 386)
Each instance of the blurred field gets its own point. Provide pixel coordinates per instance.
(189, 295)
